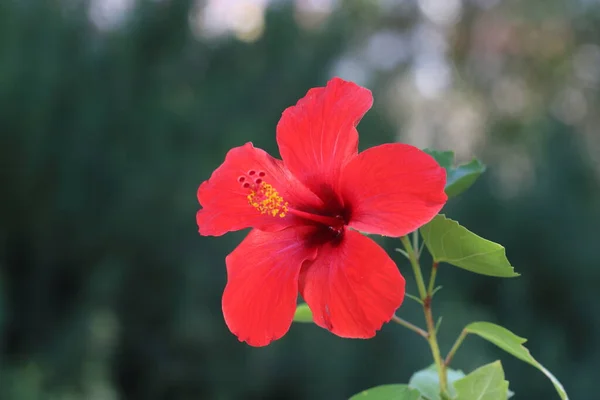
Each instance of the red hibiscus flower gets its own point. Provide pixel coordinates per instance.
(306, 210)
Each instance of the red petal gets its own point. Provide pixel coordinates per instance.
(393, 189)
(262, 284)
(224, 198)
(317, 136)
(352, 287)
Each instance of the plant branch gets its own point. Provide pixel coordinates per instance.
(455, 347)
(434, 268)
(415, 298)
(435, 349)
(415, 266)
(431, 329)
(410, 326)
(415, 243)
(405, 254)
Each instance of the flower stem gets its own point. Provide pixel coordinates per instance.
(455, 347)
(410, 326)
(426, 298)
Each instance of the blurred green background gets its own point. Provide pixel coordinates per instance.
(112, 112)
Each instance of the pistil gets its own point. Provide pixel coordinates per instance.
(333, 222)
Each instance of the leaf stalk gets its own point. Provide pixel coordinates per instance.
(455, 347)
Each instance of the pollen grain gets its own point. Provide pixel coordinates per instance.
(267, 200)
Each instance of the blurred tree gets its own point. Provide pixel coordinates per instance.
(107, 291)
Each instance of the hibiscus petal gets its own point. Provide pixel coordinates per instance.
(352, 287)
(246, 170)
(392, 189)
(317, 136)
(262, 284)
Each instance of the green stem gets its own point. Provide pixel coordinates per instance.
(415, 243)
(415, 266)
(434, 268)
(426, 298)
(435, 349)
(410, 326)
(455, 347)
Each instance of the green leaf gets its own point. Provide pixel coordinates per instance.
(444, 158)
(512, 344)
(449, 242)
(427, 382)
(303, 313)
(458, 179)
(461, 178)
(388, 392)
(485, 383)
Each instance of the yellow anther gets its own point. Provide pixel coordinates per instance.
(266, 199)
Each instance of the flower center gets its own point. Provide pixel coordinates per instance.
(263, 196)
(267, 200)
